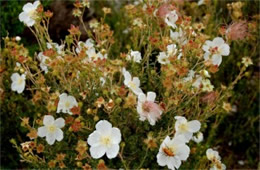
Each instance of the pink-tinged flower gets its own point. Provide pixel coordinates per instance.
(237, 31)
(147, 108)
(29, 14)
(164, 9)
(214, 50)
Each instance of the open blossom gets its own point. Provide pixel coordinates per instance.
(132, 83)
(18, 82)
(171, 18)
(171, 49)
(189, 76)
(172, 152)
(198, 137)
(179, 37)
(212, 155)
(247, 61)
(42, 58)
(66, 103)
(57, 47)
(186, 128)
(51, 129)
(147, 108)
(214, 50)
(135, 56)
(89, 44)
(93, 56)
(163, 58)
(104, 140)
(29, 13)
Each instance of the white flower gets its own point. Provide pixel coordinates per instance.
(51, 129)
(218, 166)
(179, 37)
(247, 61)
(212, 155)
(135, 56)
(198, 137)
(59, 48)
(172, 152)
(89, 44)
(201, 2)
(214, 50)
(197, 82)
(207, 86)
(147, 108)
(17, 38)
(171, 49)
(66, 103)
(133, 84)
(93, 56)
(104, 140)
(42, 58)
(18, 65)
(18, 82)
(171, 18)
(186, 128)
(163, 58)
(190, 76)
(29, 13)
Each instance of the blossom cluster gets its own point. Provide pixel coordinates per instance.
(95, 100)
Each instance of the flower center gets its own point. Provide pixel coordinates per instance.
(214, 50)
(183, 127)
(146, 107)
(67, 104)
(51, 128)
(106, 140)
(132, 85)
(168, 151)
(32, 14)
(20, 81)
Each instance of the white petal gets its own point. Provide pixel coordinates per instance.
(151, 96)
(216, 59)
(48, 120)
(42, 131)
(175, 161)
(116, 135)
(136, 81)
(183, 152)
(50, 138)
(59, 134)
(30, 22)
(225, 49)
(141, 98)
(138, 91)
(23, 17)
(15, 77)
(162, 160)
(72, 100)
(28, 7)
(194, 126)
(218, 41)
(20, 88)
(103, 126)
(94, 139)
(206, 56)
(36, 3)
(60, 122)
(128, 77)
(112, 151)
(97, 151)
(63, 96)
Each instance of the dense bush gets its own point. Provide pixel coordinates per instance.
(199, 59)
